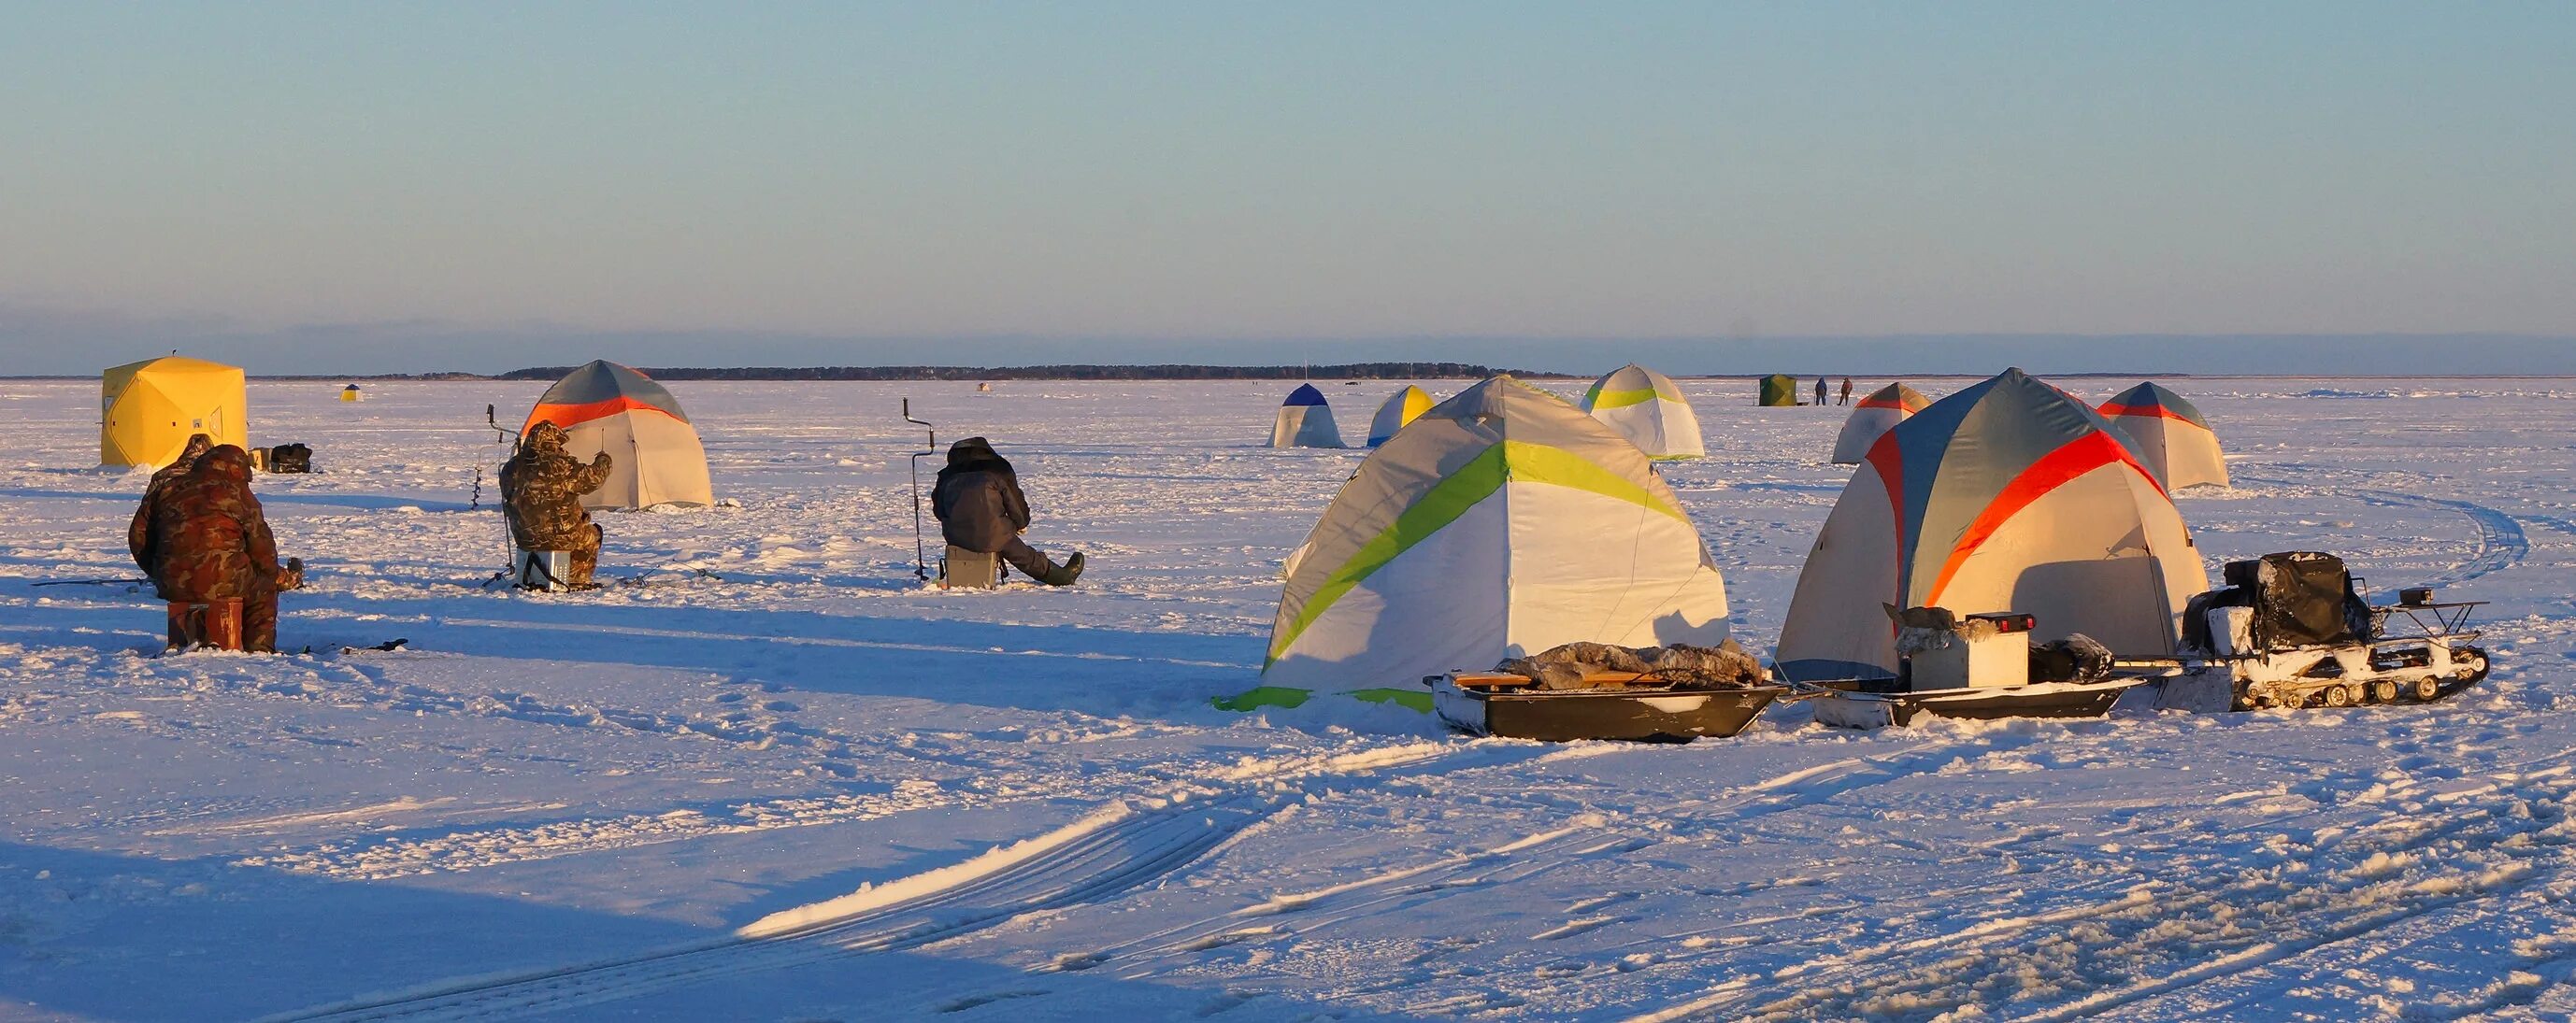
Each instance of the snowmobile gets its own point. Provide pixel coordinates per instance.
(1978, 666)
(2293, 630)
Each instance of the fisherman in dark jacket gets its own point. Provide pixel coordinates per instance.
(980, 508)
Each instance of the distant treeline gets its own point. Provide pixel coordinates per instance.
(1341, 371)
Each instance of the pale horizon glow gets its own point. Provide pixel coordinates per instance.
(836, 183)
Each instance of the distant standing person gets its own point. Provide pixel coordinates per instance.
(541, 491)
(1846, 392)
(981, 509)
(1820, 390)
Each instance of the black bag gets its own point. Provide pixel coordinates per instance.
(2302, 598)
(290, 458)
(2077, 658)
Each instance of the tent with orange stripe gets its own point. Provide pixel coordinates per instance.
(2170, 435)
(1875, 415)
(2011, 495)
(654, 450)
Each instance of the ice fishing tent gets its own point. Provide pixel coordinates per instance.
(1502, 522)
(1305, 421)
(1884, 408)
(1402, 407)
(1779, 389)
(2169, 435)
(1648, 409)
(654, 449)
(148, 409)
(2008, 496)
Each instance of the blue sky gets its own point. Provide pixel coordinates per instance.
(401, 187)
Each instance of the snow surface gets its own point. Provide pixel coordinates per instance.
(804, 788)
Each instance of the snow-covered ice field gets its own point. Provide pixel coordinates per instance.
(804, 788)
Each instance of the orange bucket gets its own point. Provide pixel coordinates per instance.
(210, 623)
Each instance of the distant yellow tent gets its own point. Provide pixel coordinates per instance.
(147, 409)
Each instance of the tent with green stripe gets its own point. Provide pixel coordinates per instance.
(1647, 408)
(1500, 523)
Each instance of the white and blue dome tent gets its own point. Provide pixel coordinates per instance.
(1305, 421)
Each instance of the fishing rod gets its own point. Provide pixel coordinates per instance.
(509, 545)
(920, 553)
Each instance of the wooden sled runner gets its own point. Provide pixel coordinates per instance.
(1609, 707)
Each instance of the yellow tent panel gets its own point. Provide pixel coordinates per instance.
(147, 409)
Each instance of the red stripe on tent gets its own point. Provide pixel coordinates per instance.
(567, 416)
(2057, 468)
(1889, 460)
(2115, 409)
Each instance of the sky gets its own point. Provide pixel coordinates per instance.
(408, 187)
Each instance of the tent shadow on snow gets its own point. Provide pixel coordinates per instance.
(134, 938)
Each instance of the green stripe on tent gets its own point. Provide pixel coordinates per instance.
(1291, 697)
(1435, 510)
(1282, 697)
(1416, 700)
(1538, 463)
(1622, 399)
(1441, 505)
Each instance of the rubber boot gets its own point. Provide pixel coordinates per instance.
(1066, 573)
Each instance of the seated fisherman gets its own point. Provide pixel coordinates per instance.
(980, 508)
(541, 492)
(204, 538)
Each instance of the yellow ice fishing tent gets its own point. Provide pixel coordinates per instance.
(1779, 389)
(147, 409)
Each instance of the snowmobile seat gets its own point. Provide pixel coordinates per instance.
(206, 624)
(962, 569)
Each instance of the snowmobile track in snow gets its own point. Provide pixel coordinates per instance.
(1086, 865)
(2190, 925)
(1131, 851)
(2501, 543)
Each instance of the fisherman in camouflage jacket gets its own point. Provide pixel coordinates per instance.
(541, 492)
(204, 538)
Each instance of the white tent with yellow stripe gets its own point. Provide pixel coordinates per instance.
(1647, 408)
(1500, 523)
(1402, 407)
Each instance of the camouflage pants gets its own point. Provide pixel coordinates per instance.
(585, 555)
(259, 616)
